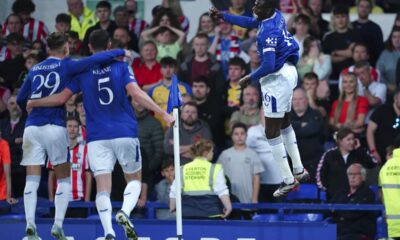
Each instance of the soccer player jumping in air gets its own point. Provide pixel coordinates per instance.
(278, 53)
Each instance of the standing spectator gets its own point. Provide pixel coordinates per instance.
(383, 127)
(82, 18)
(238, 7)
(209, 112)
(310, 85)
(103, 13)
(5, 94)
(121, 18)
(197, 176)
(308, 125)
(349, 110)
(12, 130)
(352, 225)
(370, 32)
(323, 25)
(74, 45)
(331, 172)
(340, 41)
(242, 166)
(136, 24)
(63, 23)
(82, 117)
(176, 9)
(6, 190)
(389, 181)
(301, 30)
(387, 61)
(146, 68)
(201, 63)
(30, 61)
(160, 92)
(270, 178)
(191, 130)
(249, 112)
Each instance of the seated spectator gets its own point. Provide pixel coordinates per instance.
(160, 92)
(6, 190)
(242, 166)
(308, 125)
(233, 90)
(30, 61)
(121, 18)
(197, 176)
(175, 7)
(146, 68)
(350, 109)
(270, 178)
(355, 225)
(250, 108)
(207, 26)
(375, 92)
(254, 62)
(63, 23)
(383, 127)
(75, 45)
(314, 60)
(301, 30)
(310, 85)
(387, 61)
(163, 188)
(136, 24)
(14, 26)
(331, 171)
(191, 130)
(82, 18)
(163, 36)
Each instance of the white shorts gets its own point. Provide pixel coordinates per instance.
(103, 154)
(277, 91)
(48, 141)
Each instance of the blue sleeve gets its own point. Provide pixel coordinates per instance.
(74, 86)
(76, 66)
(127, 74)
(24, 93)
(242, 21)
(267, 66)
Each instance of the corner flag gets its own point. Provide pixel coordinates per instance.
(174, 98)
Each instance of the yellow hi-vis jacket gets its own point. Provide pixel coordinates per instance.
(88, 20)
(389, 178)
(198, 177)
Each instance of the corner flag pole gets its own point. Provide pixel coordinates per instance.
(177, 163)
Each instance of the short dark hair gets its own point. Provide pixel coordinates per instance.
(202, 79)
(99, 39)
(238, 125)
(237, 61)
(15, 37)
(73, 35)
(103, 4)
(72, 118)
(362, 64)
(160, 30)
(202, 35)
(63, 18)
(26, 6)
(311, 75)
(56, 40)
(190, 103)
(33, 56)
(167, 163)
(340, 10)
(360, 44)
(168, 62)
(302, 18)
(120, 9)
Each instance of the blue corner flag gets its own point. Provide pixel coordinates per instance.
(174, 98)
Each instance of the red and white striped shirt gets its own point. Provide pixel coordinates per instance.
(5, 54)
(185, 24)
(32, 31)
(82, 135)
(79, 165)
(137, 26)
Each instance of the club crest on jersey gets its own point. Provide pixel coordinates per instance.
(271, 41)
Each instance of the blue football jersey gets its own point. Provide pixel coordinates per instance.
(50, 77)
(109, 113)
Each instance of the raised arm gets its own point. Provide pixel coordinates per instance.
(242, 21)
(181, 35)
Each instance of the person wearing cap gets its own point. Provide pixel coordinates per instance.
(82, 18)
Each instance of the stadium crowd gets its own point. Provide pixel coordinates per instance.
(345, 109)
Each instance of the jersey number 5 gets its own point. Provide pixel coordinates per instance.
(103, 81)
(48, 82)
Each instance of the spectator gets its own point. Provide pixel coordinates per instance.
(5, 94)
(375, 92)
(74, 45)
(160, 92)
(238, 7)
(352, 225)
(308, 125)
(368, 29)
(4, 51)
(151, 136)
(146, 68)
(389, 181)
(301, 30)
(209, 112)
(242, 166)
(237, 69)
(331, 171)
(12, 130)
(349, 110)
(165, 17)
(82, 117)
(121, 18)
(314, 60)
(201, 63)
(323, 25)
(136, 24)
(207, 26)
(310, 85)
(191, 130)
(383, 127)
(6, 190)
(70, 107)
(254, 62)
(30, 61)
(270, 178)
(14, 26)
(340, 41)
(176, 9)
(163, 188)
(123, 39)
(81, 177)
(387, 61)
(249, 112)
(196, 177)
(82, 18)
(103, 13)
(63, 23)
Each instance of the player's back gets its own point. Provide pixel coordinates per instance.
(109, 113)
(273, 33)
(44, 79)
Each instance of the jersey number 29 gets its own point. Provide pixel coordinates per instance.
(48, 82)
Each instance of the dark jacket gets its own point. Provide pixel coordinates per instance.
(10, 135)
(331, 171)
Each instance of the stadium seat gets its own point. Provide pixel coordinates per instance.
(375, 189)
(266, 217)
(306, 193)
(381, 228)
(304, 217)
